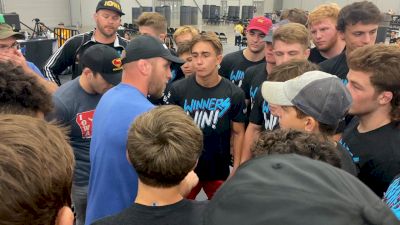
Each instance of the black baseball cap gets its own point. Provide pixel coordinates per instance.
(290, 189)
(105, 60)
(146, 47)
(110, 5)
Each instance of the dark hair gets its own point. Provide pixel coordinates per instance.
(324, 129)
(364, 12)
(36, 167)
(295, 16)
(164, 145)
(21, 93)
(383, 63)
(183, 48)
(288, 141)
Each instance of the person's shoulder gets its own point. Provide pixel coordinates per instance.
(256, 68)
(233, 55)
(182, 83)
(67, 89)
(231, 87)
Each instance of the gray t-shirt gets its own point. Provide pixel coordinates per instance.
(75, 108)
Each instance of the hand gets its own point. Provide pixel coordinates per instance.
(187, 184)
(15, 57)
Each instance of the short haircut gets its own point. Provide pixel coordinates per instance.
(154, 20)
(324, 129)
(288, 141)
(183, 48)
(209, 37)
(186, 29)
(292, 33)
(36, 167)
(20, 93)
(291, 69)
(383, 63)
(295, 16)
(364, 12)
(324, 11)
(164, 145)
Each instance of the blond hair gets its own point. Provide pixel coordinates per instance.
(211, 38)
(186, 29)
(330, 10)
(292, 33)
(153, 20)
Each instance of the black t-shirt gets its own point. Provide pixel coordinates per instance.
(336, 66)
(213, 110)
(183, 212)
(376, 154)
(234, 65)
(346, 160)
(254, 77)
(260, 114)
(315, 56)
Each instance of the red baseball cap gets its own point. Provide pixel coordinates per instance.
(260, 23)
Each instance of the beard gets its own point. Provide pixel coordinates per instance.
(106, 33)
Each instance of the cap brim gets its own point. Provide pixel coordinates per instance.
(273, 93)
(12, 34)
(112, 78)
(172, 58)
(114, 10)
(257, 28)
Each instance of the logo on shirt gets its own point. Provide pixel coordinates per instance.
(85, 122)
(237, 77)
(270, 121)
(207, 111)
(253, 93)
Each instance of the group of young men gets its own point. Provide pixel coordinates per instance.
(134, 163)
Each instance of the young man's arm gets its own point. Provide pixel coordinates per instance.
(238, 136)
(252, 133)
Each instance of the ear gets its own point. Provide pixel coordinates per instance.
(94, 16)
(162, 37)
(385, 97)
(65, 216)
(87, 72)
(219, 59)
(310, 124)
(307, 53)
(144, 67)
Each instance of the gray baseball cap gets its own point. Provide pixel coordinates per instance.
(291, 189)
(268, 37)
(316, 93)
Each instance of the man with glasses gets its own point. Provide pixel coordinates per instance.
(9, 53)
(108, 19)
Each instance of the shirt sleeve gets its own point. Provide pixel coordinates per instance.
(34, 68)
(60, 60)
(256, 114)
(238, 112)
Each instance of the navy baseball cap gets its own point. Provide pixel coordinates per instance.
(110, 5)
(104, 60)
(146, 47)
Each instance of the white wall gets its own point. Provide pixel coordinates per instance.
(50, 12)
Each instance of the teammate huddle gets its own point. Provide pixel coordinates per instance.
(268, 108)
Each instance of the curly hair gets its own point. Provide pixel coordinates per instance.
(20, 93)
(287, 141)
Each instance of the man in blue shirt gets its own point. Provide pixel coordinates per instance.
(113, 181)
